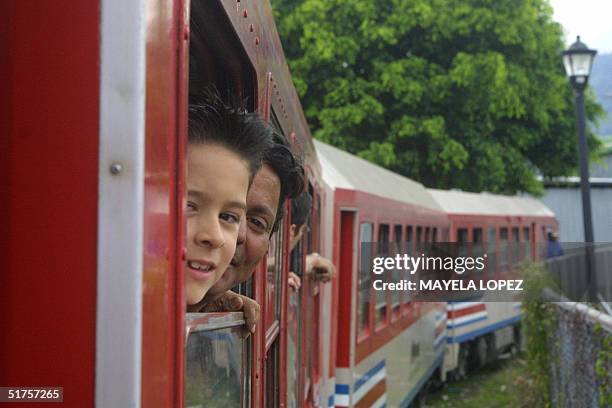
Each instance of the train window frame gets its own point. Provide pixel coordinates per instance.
(504, 258)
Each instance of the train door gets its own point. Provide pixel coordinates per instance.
(347, 303)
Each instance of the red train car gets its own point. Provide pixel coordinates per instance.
(387, 346)
(93, 158)
(509, 230)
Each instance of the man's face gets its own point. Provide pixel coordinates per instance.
(254, 239)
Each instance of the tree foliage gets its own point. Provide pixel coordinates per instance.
(464, 94)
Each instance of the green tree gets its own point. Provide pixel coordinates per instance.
(454, 93)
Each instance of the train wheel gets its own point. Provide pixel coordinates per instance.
(461, 371)
(481, 351)
(513, 350)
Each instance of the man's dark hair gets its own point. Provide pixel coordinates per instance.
(301, 207)
(289, 170)
(214, 120)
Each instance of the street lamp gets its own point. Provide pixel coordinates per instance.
(578, 60)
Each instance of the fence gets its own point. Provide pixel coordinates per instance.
(581, 359)
(573, 274)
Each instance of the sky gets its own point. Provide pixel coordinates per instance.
(591, 19)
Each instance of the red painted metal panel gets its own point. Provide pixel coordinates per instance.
(347, 242)
(50, 172)
(165, 126)
(453, 314)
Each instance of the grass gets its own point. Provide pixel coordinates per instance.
(504, 383)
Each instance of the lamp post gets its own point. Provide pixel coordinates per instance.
(578, 60)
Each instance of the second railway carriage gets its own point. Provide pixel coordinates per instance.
(509, 230)
(387, 346)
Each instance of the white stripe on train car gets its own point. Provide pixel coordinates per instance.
(484, 330)
(466, 320)
(369, 384)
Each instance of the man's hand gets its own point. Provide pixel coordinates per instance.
(233, 302)
(294, 281)
(319, 268)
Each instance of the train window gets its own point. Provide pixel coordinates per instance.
(527, 242)
(434, 235)
(477, 235)
(462, 241)
(397, 237)
(408, 249)
(216, 57)
(419, 238)
(462, 235)
(216, 358)
(363, 308)
(409, 239)
(516, 253)
(396, 295)
(273, 278)
(503, 248)
(272, 377)
(477, 248)
(427, 231)
(380, 314)
(492, 248)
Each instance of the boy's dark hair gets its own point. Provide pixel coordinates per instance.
(213, 120)
(300, 209)
(289, 170)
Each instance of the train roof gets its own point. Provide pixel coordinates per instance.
(344, 170)
(461, 202)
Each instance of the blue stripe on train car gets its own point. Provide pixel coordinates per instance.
(492, 327)
(413, 393)
(369, 374)
(342, 389)
(438, 341)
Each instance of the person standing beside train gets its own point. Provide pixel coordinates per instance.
(226, 145)
(281, 177)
